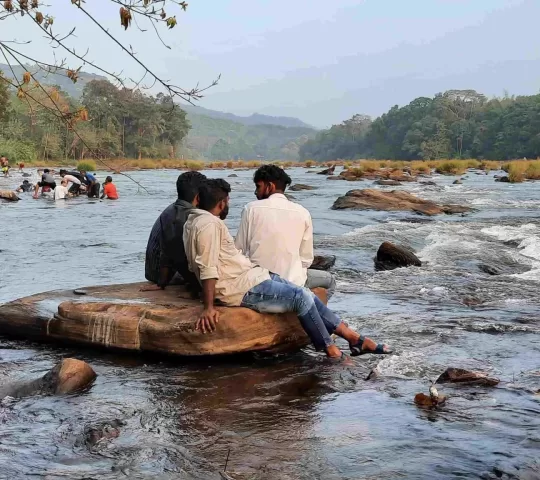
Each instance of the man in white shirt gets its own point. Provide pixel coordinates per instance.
(75, 181)
(229, 276)
(277, 234)
(61, 191)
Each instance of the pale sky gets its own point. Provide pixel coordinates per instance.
(320, 61)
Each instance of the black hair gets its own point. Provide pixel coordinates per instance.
(46, 170)
(188, 185)
(212, 192)
(274, 174)
(63, 172)
(108, 179)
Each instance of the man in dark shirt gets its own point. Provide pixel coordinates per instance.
(165, 254)
(92, 185)
(47, 180)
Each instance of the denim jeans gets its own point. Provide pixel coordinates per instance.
(279, 296)
(322, 279)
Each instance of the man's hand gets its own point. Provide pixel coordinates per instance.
(150, 288)
(207, 320)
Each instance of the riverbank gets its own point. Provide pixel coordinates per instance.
(517, 170)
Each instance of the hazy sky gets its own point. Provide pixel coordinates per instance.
(321, 61)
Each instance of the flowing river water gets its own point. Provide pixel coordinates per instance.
(293, 416)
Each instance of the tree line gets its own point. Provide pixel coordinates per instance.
(453, 124)
(108, 122)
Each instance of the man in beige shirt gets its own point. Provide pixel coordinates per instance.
(278, 234)
(228, 275)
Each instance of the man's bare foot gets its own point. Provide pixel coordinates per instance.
(150, 288)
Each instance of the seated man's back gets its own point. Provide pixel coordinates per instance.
(277, 234)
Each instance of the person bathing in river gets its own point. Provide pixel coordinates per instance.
(109, 189)
(92, 185)
(61, 191)
(165, 255)
(25, 187)
(47, 182)
(277, 234)
(229, 276)
(75, 178)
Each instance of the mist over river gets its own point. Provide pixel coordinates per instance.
(293, 416)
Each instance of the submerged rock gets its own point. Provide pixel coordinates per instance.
(390, 256)
(489, 269)
(233, 175)
(427, 401)
(300, 186)
(504, 179)
(9, 196)
(459, 375)
(323, 262)
(328, 171)
(457, 182)
(371, 199)
(393, 183)
(428, 183)
(67, 376)
(97, 434)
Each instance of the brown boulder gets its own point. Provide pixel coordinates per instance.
(423, 400)
(328, 171)
(390, 256)
(300, 186)
(323, 262)
(459, 375)
(371, 199)
(67, 376)
(163, 321)
(390, 183)
(9, 195)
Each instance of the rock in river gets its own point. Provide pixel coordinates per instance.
(323, 262)
(371, 199)
(328, 171)
(389, 183)
(300, 186)
(67, 376)
(390, 256)
(9, 195)
(459, 375)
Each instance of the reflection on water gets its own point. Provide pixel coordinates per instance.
(293, 416)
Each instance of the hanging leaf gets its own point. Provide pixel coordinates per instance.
(125, 17)
(163, 14)
(184, 5)
(26, 77)
(73, 75)
(55, 96)
(20, 93)
(8, 5)
(171, 22)
(82, 114)
(147, 2)
(34, 4)
(39, 17)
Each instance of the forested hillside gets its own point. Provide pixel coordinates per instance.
(133, 124)
(454, 124)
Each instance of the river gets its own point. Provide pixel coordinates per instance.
(293, 416)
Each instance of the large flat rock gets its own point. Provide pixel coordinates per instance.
(371, 199)
(123, 317)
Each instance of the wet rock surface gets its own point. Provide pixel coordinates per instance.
(370, 199)
(467, 377)
(323, 262)
(390, 256)
(300, 186)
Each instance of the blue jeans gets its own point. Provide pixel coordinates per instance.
(279, 296)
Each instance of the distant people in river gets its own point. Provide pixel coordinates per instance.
(4, 165)
(165, 255)
(229, 276)
(277, 234)
(21, 167)
(75, 179)
(109, 189)
(25, 187)
(47, 183)
(92, 185)
(61, 191)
